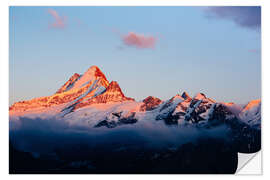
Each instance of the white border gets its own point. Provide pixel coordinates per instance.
(253, 166)
(4, 86)
(4, 72)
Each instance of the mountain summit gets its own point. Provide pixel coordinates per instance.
(92, 74)
(77, 81)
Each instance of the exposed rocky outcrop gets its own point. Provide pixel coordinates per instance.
(186, 96)
(150, 103)
(117, 119)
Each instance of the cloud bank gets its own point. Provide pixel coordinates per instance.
(44, 135)
(244, 16)
(59, 22)
(139, 40)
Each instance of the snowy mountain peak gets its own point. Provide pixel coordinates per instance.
(199, 96)
(185, 95)
(93, 73)
(177, 97)
(252, 104)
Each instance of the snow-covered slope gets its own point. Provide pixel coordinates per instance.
(251, 114)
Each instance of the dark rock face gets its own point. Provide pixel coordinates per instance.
(117, 114)
(167, 109)
(117, 119)
(194, 110)
(150, 103)
(221, 115)
(69, 83)
(168, 118)
(185, 96)
(108, 124)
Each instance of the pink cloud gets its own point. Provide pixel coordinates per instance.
(139, 40)
(60, 22)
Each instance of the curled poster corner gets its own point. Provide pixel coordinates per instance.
(249, 164)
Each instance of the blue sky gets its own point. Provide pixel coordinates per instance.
(158, 51)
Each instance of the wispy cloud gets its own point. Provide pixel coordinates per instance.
(139, 40)
(244, 16)
(59, 22)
